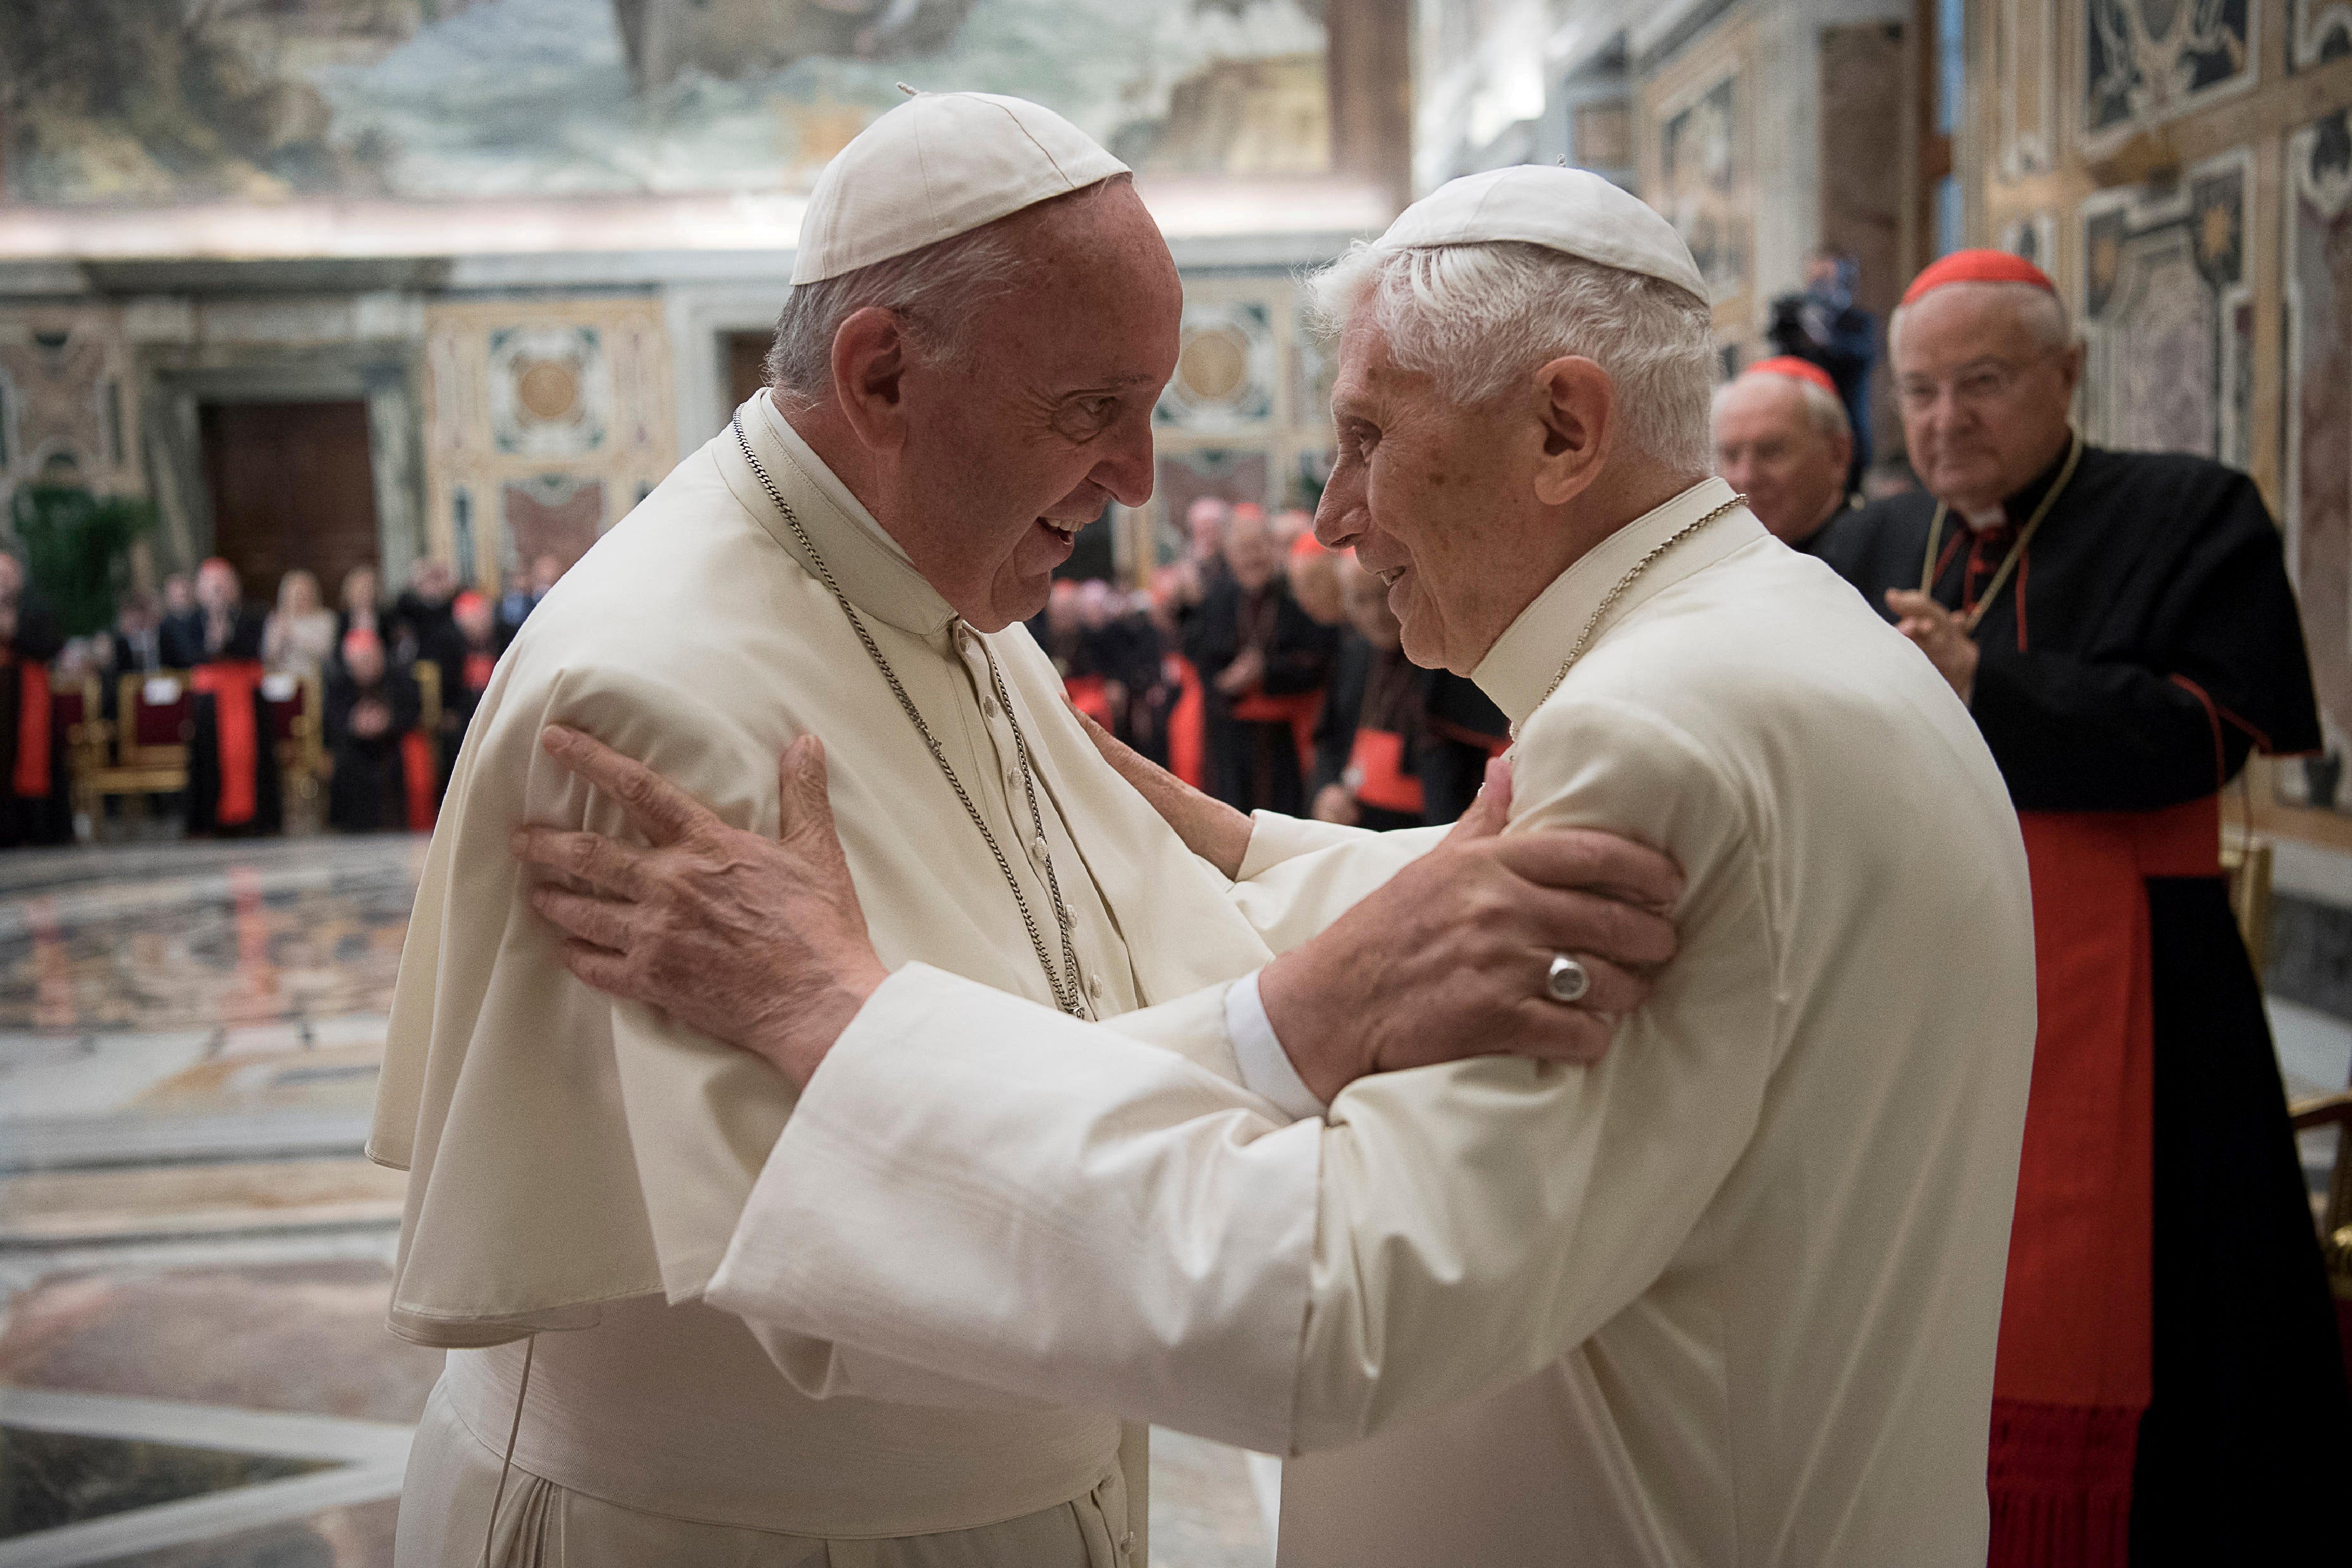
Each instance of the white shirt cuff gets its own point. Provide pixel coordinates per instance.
(1265, 1067)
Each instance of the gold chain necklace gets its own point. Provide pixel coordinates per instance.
(2024, 537)
(1592, 622)
(1070, 995)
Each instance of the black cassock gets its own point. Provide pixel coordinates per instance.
(2147, 641)
(1253, 760)
(368, 792)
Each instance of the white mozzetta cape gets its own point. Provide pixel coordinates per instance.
(567, 1153)
(1728, 1298)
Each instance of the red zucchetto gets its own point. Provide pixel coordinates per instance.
(1795, 369)
(1977, 266)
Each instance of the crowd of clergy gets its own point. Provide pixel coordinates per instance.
(227, 662)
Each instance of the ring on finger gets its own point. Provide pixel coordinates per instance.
(1566, 981)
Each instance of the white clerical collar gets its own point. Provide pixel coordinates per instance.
(866, 562)
(823, 477)
(1983, 522)
(1519, 670)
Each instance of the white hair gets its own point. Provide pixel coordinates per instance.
(2040, 312)
(1826, 413)
(1478, 318)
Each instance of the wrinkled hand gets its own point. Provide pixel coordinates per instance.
(1942, 636)
(1448, 959)
(1246, 672)
(1209, 827)
(756, 941)
(1334, 803)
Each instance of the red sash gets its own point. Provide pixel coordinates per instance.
(2073, 1372)
(1300, 710)
(32, 780)
(1187, 748)
(419, 774)
(232, 683)
(1088, 696)
(1376, 772)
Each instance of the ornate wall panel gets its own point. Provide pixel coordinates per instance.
(2148, 61)
(545, 421)
(2317, 253)
(1698, 167)
(66, 404)
(2024, 85)
(2169, 314)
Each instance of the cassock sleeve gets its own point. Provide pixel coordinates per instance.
(2217, 669)
(1074, 1217)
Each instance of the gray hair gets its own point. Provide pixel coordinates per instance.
(932, 291)
(2043, 314)
(1826, 413)
(1479, 318)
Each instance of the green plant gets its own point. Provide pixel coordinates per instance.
(76, 548)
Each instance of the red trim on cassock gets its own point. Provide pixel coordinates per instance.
(2213, 721)
(1376, 767)
(232, 682)
(32, 777)
(1186, 724)
(1300, 710)
(1089, 694)
(418, 775)
(2073, 1372)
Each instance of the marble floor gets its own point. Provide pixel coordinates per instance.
(195, 1255)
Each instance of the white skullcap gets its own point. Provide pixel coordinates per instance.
(940, 165)
(1569, 210)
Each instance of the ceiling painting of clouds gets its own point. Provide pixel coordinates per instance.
(153, 101)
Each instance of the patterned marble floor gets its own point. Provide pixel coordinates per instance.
(194, 1254)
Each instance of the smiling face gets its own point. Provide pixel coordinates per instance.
(989, 469)
(1440, 502)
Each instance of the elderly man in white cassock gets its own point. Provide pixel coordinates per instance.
(1729, 1295)
(982, 316)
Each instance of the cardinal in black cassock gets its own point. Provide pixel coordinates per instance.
(2169, 1386)
(1263, 662)
(371, 717)
(35, 801)
(232, 750)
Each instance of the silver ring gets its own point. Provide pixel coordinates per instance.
(1566, 981)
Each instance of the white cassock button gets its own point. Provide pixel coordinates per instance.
(1095, 986)
(962, 637)
(1037, 850)
(988, 706)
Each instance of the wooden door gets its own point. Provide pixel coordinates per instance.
(290, 485)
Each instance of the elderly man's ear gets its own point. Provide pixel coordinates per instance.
(1577, 406)
(868, 357)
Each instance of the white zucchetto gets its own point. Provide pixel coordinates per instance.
(940, 165)
(1569, 210)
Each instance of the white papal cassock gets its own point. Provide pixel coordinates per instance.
(1728, 1297)
(579, 1166)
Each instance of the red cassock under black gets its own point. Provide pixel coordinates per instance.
(2170, 1386)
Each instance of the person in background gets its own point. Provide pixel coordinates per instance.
(178, 615)
(420, 618)
(232, 766)
(1262, 662)
(136, 643)
(1782, 440)
(371, 710)
(467, 665)
(520, 598)
(1313, 574)
(35, 807)
(299, 635)
(2120, 625)
(1824, 326)
(1367, 740)
(362, 604)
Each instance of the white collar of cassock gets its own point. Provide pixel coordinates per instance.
(1519, 669)
(871, 568)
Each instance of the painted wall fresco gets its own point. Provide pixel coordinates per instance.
(1697, 168)
(162, 100)
(545, 421)
(2168, 312)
